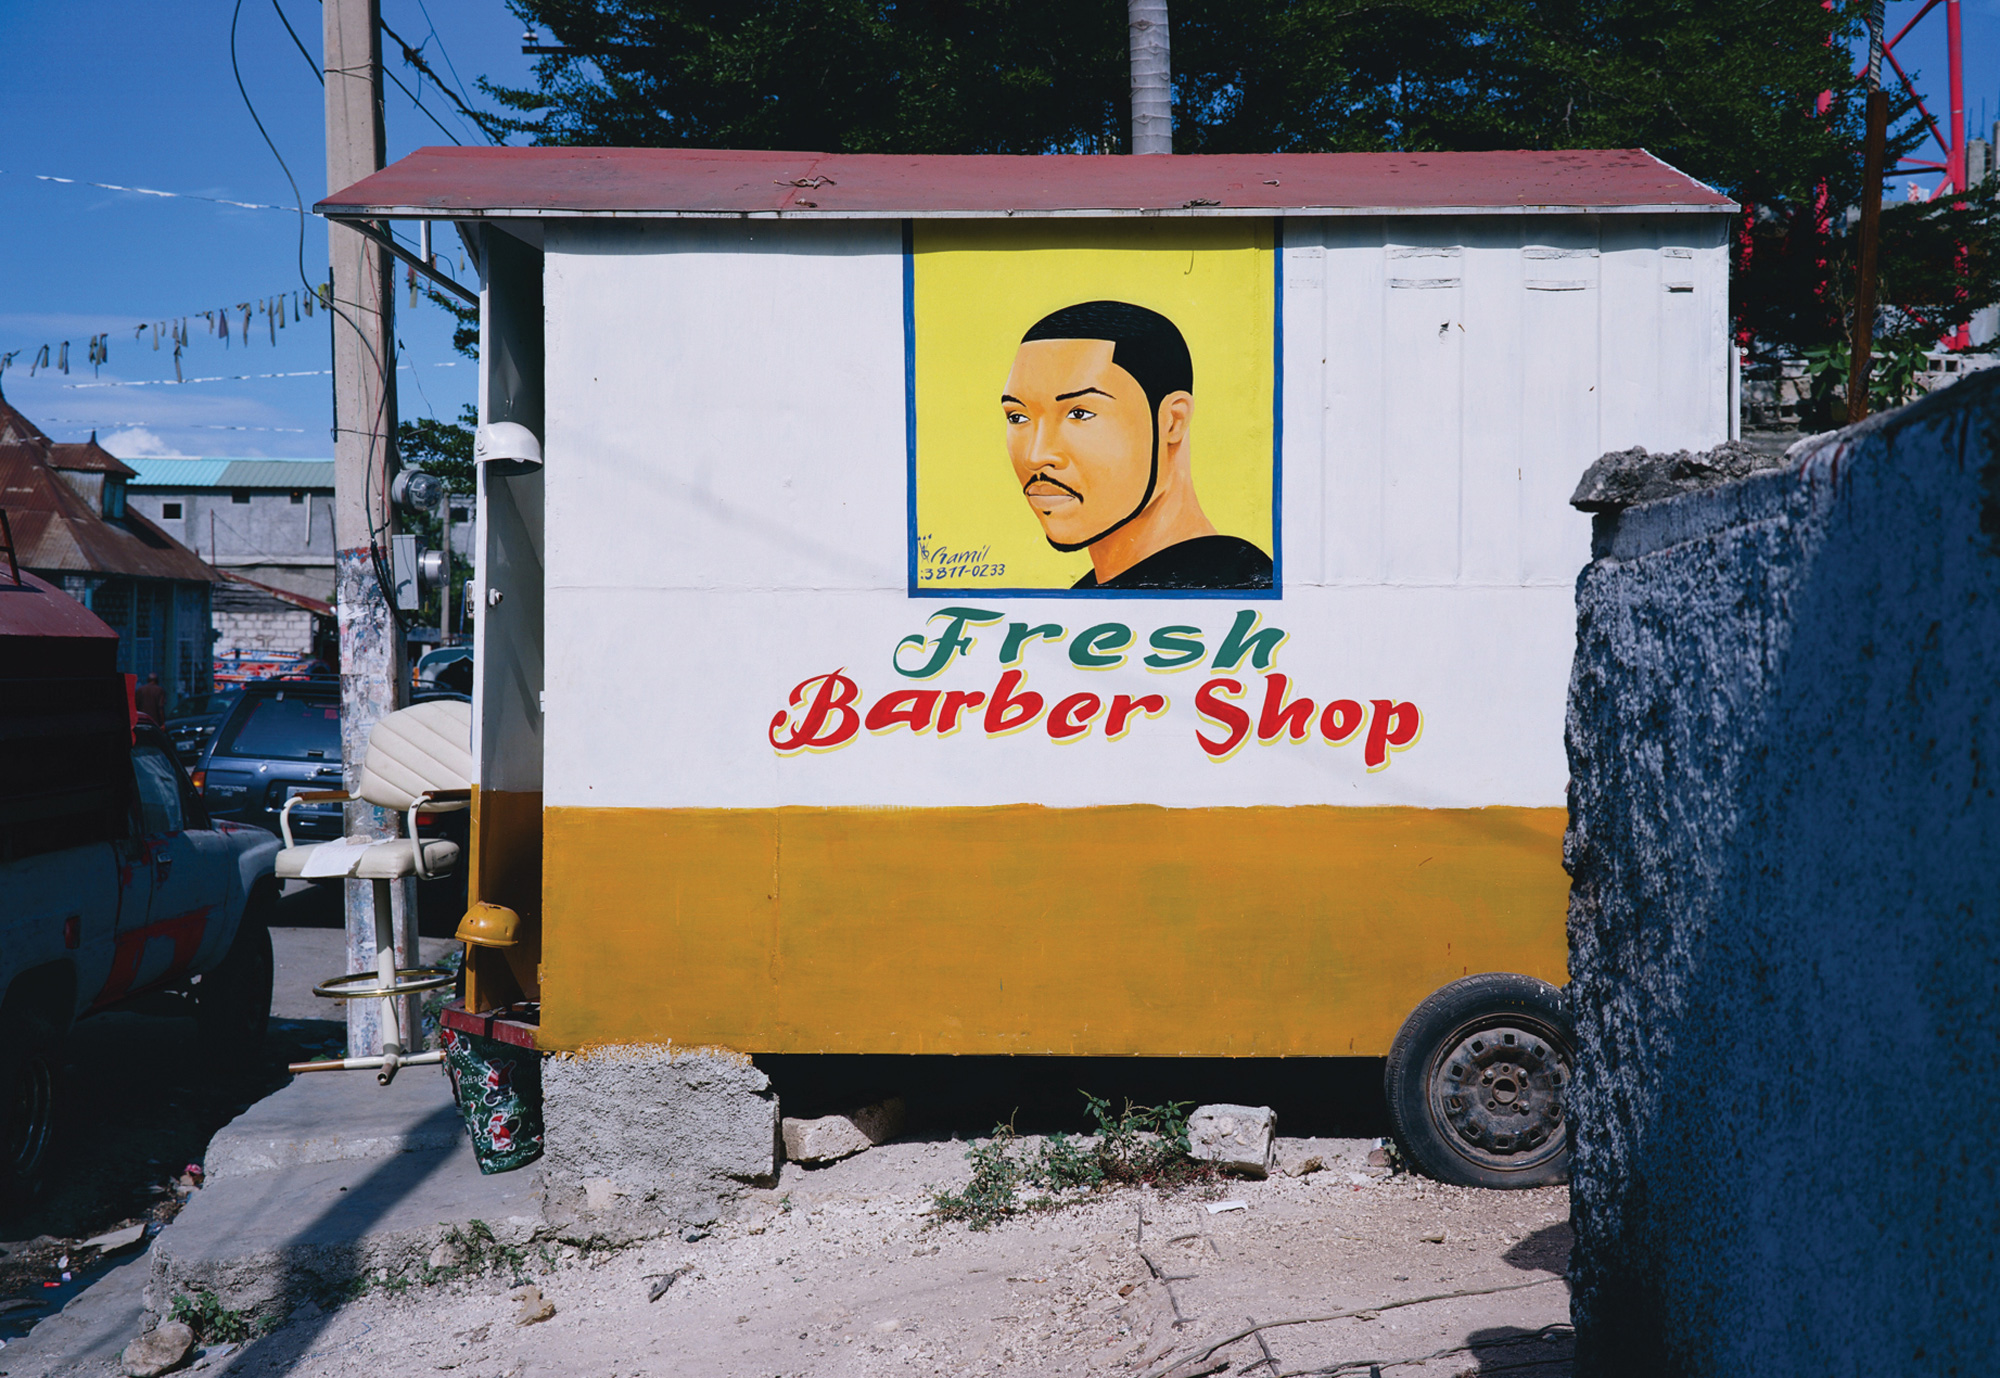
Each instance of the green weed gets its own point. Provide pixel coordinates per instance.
(210, 1320)
(479, 1253)
(1140, 1145)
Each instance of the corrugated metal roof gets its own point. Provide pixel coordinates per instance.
(14, 426)
(666, 182)
(177, 475)
(87, 457)
(317, 607)
(278, 473)
(39, 612)
(56, 530)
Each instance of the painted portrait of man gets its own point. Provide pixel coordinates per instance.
(1099, 411)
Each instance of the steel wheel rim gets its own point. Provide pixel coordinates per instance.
(1495, 1091)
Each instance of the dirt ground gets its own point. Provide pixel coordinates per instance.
(838, 1272)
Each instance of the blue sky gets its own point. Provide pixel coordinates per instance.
(141, 94)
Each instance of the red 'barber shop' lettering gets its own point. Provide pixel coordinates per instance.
(1071, 718)
(1209, 703)
(830, 719)
(911, 708)
(1391, 727)
(1279, 718)
(1008, 711)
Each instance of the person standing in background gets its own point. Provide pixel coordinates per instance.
(150, 699)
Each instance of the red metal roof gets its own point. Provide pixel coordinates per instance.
(315, 606)
(469, 183)
(38, 611)
(15, 426)
(55, 530)
(87, 456)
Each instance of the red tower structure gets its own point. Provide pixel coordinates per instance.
(1951, 140)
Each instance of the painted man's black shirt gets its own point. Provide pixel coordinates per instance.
(1206, 562)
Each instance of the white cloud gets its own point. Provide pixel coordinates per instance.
(137, 442)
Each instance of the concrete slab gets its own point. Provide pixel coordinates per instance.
(330, 1180)
(325, 1117)
(87, 1335)
(266, 1242)
(303, 957)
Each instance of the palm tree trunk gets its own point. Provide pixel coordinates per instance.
(1152, 77)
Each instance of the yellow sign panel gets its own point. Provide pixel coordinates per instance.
(1093, 407)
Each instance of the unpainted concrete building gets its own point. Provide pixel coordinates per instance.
(270, 520)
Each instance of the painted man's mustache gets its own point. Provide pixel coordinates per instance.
(1051, 482)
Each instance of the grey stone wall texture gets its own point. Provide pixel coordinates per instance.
(1785, 913)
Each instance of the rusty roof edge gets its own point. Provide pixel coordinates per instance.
(340, 212)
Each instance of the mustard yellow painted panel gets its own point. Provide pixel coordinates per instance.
(1021, 929)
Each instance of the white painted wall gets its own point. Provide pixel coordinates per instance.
(726, 510)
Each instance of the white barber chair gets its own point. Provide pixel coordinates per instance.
(419, 760)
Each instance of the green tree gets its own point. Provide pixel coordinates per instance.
(1726, 90)
(443, 448)
(951, 76)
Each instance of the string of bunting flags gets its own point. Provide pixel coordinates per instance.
(178, 332)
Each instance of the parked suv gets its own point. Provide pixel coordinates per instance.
(193, 725)
(282, 738)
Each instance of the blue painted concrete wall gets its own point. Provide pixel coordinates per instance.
(1785, 921)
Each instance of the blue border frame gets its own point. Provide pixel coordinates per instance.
(1273, 594)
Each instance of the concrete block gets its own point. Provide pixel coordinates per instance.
(642, 1140)
(1236, 1138)
(830, 1138)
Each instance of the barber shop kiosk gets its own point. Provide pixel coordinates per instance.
(1051, 605)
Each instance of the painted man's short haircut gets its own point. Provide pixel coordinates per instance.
(1144, 343)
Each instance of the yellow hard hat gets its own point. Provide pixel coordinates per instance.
(490, 925)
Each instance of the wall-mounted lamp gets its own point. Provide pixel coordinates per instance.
(507, 445)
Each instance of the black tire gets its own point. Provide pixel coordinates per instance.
(1475, 1083)
(30, 1095)
(232, 1003)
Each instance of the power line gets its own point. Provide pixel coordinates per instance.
(318, 75)
(153, 191)
(235, 377)
(450, 66)
(283, 166)
(416, 60)
(103, 423)
(420, 105)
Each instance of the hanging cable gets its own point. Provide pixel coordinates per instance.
(318, 75)
(452, 67)
(421, 106)
(376, 432)
(416, 60)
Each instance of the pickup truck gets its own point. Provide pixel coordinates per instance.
(114, 882)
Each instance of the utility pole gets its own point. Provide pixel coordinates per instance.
(1873, 154)
(364, 374)
(1152, 76)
